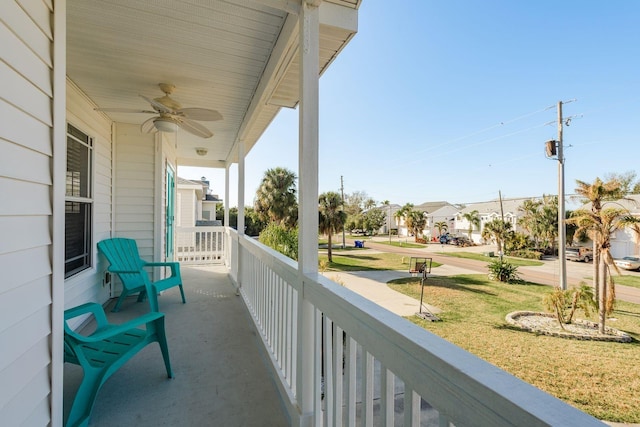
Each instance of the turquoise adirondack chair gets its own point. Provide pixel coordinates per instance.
(125, 262)
(103, 352)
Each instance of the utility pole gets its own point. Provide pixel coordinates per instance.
(500, 253)
(555, 148)
(562, 231)
(342, 192)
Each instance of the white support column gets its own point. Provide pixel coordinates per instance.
(226, 194)
(241, 177)
(57, 224)
(309, 28)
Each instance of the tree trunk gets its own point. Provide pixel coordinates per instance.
(596, 272)
(602, 301)
(329, 254)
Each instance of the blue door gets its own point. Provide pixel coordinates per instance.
(170, 214)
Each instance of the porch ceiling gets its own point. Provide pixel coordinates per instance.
(238, 57)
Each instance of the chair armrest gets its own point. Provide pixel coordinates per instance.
(175, 266)
(87, 308)
(112, 329)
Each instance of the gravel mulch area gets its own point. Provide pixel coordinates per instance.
(546, 324)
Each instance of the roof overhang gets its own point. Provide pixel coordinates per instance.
(239, 57)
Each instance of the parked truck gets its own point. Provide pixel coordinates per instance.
(579, 253)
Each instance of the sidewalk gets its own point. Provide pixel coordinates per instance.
(373, 286)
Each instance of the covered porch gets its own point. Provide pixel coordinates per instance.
(218, 363)
(242, 356)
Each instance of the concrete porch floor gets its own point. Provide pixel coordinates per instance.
(221, 376)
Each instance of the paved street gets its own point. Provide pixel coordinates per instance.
(547, 274)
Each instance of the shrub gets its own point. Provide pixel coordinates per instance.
(516, 241)
(565, 303)
(503, 271)
(281, 238)
(526, 253)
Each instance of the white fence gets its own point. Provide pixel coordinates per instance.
(350, 362)
(200, 245)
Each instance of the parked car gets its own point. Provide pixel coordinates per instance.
(445, 238)
(579, 253)
(628, 263)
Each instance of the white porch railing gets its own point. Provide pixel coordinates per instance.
(200, 245)
(371, 366)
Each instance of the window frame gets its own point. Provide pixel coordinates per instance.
(86, 201)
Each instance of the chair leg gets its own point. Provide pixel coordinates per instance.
(121, 298)
(184, 301)
(85, 399)
(164, 348)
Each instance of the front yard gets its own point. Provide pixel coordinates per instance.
(602, 379)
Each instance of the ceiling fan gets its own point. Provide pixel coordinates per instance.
(171, 115)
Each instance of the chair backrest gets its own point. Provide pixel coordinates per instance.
(123, 254)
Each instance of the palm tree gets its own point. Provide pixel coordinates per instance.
(401, 214)
(276, 199)
(388, 204)
(529, 219)
(331, 216)
(473, 218)
(416, 221)
(496, 230)
(441, 226)
(540, 220)
(601, 226)
(595, 194)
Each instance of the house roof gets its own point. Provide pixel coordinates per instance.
(239, 57)
(430, 207)
(630, 202)
(509, 206)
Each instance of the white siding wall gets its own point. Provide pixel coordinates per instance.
(88, 285)
(187, 207)
(135, 190)
(26, 212)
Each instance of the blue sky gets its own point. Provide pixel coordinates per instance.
(453, 100)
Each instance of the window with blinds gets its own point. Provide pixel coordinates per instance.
(78, 202)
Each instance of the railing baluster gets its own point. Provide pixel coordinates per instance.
(387, 396)
(367, 388)
(350, 374)
(338, 369)
(327, 354)
(201, 245)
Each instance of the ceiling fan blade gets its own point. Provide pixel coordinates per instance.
(160, 107)
(195, 128)
(201, 114)
(124, 110)
(147, 126)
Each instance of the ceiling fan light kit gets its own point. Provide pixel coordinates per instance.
(201, 151)
(165, 125)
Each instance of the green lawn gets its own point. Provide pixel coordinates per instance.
(399, 244)
(520, 262)
(602, 379)
(362, 259)
(627, 280)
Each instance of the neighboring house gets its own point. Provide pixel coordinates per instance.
(427, 208)
(446, 214)
(194, 204)
(391, 222)
(508, 209)
(625, 242)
